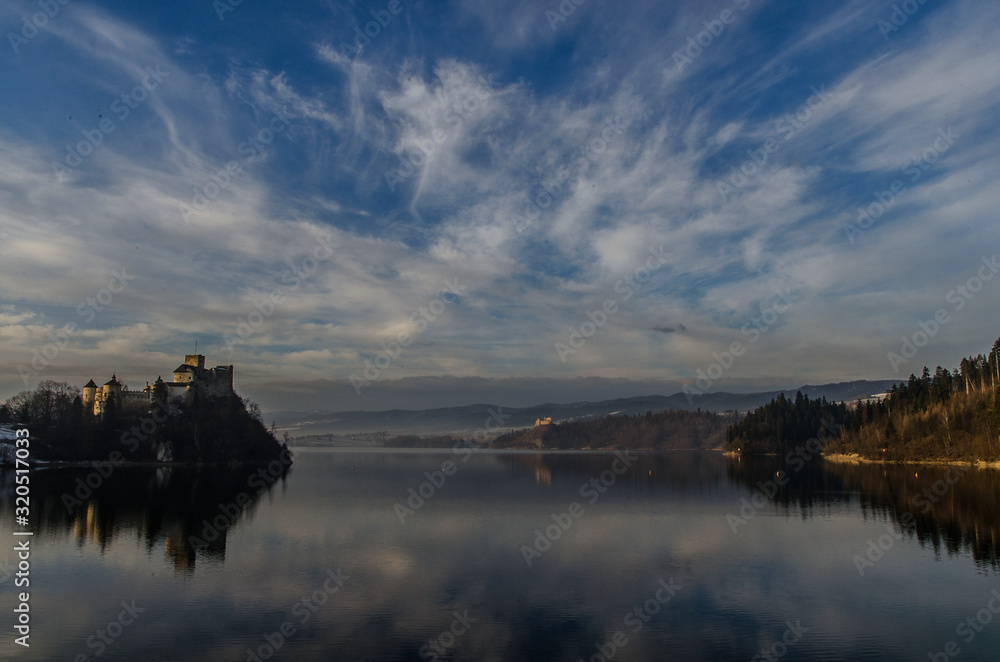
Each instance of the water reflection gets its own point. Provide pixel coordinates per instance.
(178, 506)
(954, 510)
(458, 555)
(950, 508)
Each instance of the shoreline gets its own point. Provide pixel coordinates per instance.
(854, 458)
(89, 464)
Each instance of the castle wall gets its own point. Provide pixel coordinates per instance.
(219, 380)
(184, 376)
(214, 382)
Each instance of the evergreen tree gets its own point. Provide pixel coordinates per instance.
(159, 390)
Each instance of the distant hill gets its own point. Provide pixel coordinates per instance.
(469, 419)
(666, 430)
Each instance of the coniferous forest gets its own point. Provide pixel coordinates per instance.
(782, 424)
(951, 415)
(944, 415)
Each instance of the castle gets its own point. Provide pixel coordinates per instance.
(189, 377)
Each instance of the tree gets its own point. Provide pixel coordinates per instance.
(782, 423)
(995, 362)
(941, 386)
(159, 390)
(50, 403)
(109, 416)
(253, 409)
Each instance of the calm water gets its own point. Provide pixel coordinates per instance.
(649, 568)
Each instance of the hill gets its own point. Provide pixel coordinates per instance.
(317, 426)
(668, 430)
(946, 415)
(208, 430)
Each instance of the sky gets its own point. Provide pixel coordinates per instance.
(370, 205)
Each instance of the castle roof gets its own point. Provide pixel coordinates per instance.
(113, 381)
(90, 384)
(184, 367)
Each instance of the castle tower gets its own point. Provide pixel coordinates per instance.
(195, 360)
(111, 389)
(113, 386)
(184, 374)
(223, 377)
(89, 396)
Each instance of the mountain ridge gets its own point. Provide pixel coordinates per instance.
(492, 418)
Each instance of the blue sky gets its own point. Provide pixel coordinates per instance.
(496, 201)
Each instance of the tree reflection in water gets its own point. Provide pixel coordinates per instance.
(176, 505)
(953, 508)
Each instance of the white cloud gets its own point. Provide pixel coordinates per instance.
(487, 145)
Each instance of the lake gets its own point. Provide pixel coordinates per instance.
(509, 556)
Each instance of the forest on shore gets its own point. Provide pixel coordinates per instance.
(944, 415)
(666, 430)
(947, 415)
